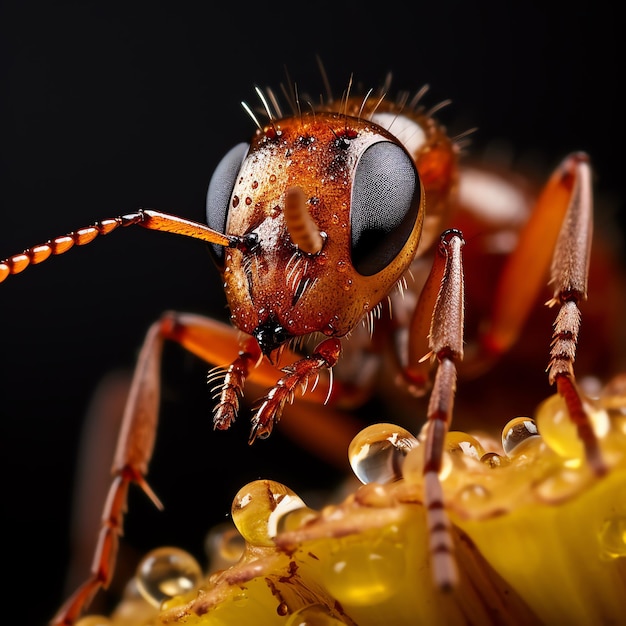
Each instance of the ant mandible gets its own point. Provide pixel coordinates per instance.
(314, 225)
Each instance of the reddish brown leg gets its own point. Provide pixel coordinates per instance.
(134, 449)
(526, 270)
(136, 442)
(446, 344)
(298, 374)
(214, 342)
(230, 389)
(558, 232)
(570, 266)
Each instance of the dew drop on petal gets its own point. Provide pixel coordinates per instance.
(313, 615)
(559, 431)
(461, 443)
(517, 432)
(165, 573)
(260, 509)
(377, 453)
(473, 494)
(493, 459)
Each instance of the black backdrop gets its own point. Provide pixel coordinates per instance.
(109, 109)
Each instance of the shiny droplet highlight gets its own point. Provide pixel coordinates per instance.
(462, 443)
(165, 573)
(560, 433)
(517, 433)
(260, 510)
(377, 453)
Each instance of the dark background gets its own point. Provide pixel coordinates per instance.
(109, 109)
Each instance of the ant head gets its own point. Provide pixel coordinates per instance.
(334, 206)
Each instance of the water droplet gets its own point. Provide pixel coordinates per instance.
(612, 538)
(377, 453)
(313, 615)
(473, 495)
(348, 284)
(560, 433)
(260, 508)
(493, 459)
(342, 265)
(517, 432)
(461, 443)
(272, 178)
(165, 573)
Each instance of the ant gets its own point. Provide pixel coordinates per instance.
(316, 224)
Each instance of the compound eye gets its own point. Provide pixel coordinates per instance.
(220, 190)
(385, 205)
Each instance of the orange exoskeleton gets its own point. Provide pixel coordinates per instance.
(315, 225)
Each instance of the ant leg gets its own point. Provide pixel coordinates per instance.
(562, 222)
(230, 390)
(214, 342)
(134, 450)
(136, 440)
(298, 374)
(570, 266)
(446, 344)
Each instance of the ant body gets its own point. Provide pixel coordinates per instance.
(317, 223)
